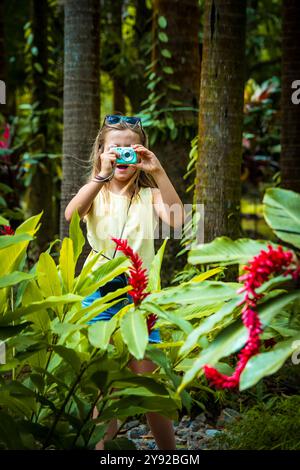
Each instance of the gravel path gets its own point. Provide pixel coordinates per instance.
(190, 433)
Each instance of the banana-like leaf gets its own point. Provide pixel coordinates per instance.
(14, 278)
(206, 292)
(76, 235)
(154, 272)
(225, 251)
(50, 302)
(234, 336)
(67, 264)
(282, 213)
(267, 363)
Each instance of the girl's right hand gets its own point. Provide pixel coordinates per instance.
(107, 160)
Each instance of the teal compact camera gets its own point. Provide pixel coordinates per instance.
(127, 155)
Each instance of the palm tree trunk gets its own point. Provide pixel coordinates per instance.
(81, 99)
(218, 167)
(290, 130)
(180, 88)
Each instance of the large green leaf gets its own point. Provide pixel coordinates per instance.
(67, 264)
(103, 274)
(206, 292)
(130, 406)
(48, 279)
(208, 325)
(135, 332)
(76, 235)
(282, 213)
(234, 336)
(154, 272)
(172, 319)
(225, 251)
(100, 332)
(50, 302)
(69, 355)
(267, 363)
(15, 278)
(7, 241)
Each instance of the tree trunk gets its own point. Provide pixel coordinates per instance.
(116, 50)
(3, 68)
(40, 193)
(290, 129)
(182, 27)
(81, 100)
(218, 168)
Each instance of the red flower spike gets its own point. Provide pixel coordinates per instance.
(260, 268)
(138, 278)
(7, 230)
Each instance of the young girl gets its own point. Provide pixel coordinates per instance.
(126, 202)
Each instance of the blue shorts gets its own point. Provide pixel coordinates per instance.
(114, 284)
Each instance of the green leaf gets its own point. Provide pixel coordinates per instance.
(10, 331)
(282, 213)
(15, 278)
(267, 363)
(67, 264)
(106, 272)
(3, 221)
(100, 332)
(48, 279)
(10, 432)
(9, 240)
(169, 71)
(131, 406)
(162, 22)
(155, 268)
(76, 235)
(50, 302)
(210, 292)
(163, 37)
(135, 332)
(234, 336)
(166, 53)
(184, 325)
(225, 251)
(69, 355)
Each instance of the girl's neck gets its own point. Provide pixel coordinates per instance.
(117, 187)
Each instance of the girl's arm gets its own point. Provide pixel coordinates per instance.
(83, 199)
(167, 203)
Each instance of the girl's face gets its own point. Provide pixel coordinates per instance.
(122, 138)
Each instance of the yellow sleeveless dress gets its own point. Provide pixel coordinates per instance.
(106, 220)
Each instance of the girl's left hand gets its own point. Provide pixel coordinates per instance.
(149, 161)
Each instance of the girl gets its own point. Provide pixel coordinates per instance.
(104, 203)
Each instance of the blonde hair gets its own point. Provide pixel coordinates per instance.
(140, 179)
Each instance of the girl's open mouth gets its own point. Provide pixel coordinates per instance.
(122, 167)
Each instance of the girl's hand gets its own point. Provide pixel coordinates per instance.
(149, 161)
(108, 162)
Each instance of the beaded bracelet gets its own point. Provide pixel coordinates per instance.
(100, 179)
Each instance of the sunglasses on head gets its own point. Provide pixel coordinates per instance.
(115, 119)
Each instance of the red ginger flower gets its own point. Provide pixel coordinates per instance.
(274, 261)
(7, 230)
(137, 279)
(6, 135)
